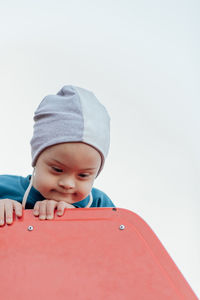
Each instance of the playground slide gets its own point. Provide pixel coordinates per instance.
(89, 253)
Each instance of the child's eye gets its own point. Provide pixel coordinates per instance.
(83, 175)
(58, 170)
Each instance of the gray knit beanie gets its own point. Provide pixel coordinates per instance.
(73, 115)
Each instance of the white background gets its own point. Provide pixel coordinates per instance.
(141, 59)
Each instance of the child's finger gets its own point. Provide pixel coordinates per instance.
(36, 209)
(67, 205)
(60, 208)
(18, 208)
(9, 212)
(51, 205)
(42, 209)
(1, 213)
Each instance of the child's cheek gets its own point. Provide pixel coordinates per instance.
(40, 183)
(86, 188)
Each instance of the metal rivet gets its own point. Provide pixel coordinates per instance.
(30, 228)
(122, 227)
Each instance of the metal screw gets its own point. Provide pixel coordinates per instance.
(30, 228)
(122, 227)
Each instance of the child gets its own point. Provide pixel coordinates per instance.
(69, 145)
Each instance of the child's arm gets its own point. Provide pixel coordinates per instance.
(7, 206)
(45, 209)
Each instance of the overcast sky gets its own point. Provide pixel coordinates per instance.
(141, 59)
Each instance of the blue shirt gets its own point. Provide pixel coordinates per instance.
(13, 187)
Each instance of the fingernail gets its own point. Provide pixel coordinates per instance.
(1, 222)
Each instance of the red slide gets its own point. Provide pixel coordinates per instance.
(89, 253)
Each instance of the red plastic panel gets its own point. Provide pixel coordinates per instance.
(85, 255)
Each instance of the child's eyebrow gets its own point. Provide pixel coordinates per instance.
(88, 169)
(81, 170)
(57, 161)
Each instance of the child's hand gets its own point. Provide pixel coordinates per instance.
(45, 209)
(7, 206)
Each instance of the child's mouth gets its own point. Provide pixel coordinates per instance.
(62, 193)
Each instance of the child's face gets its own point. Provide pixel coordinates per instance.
(66, 172)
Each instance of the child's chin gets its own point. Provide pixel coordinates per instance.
(66, 199)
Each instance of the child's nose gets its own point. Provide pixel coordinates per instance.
(67, 182)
